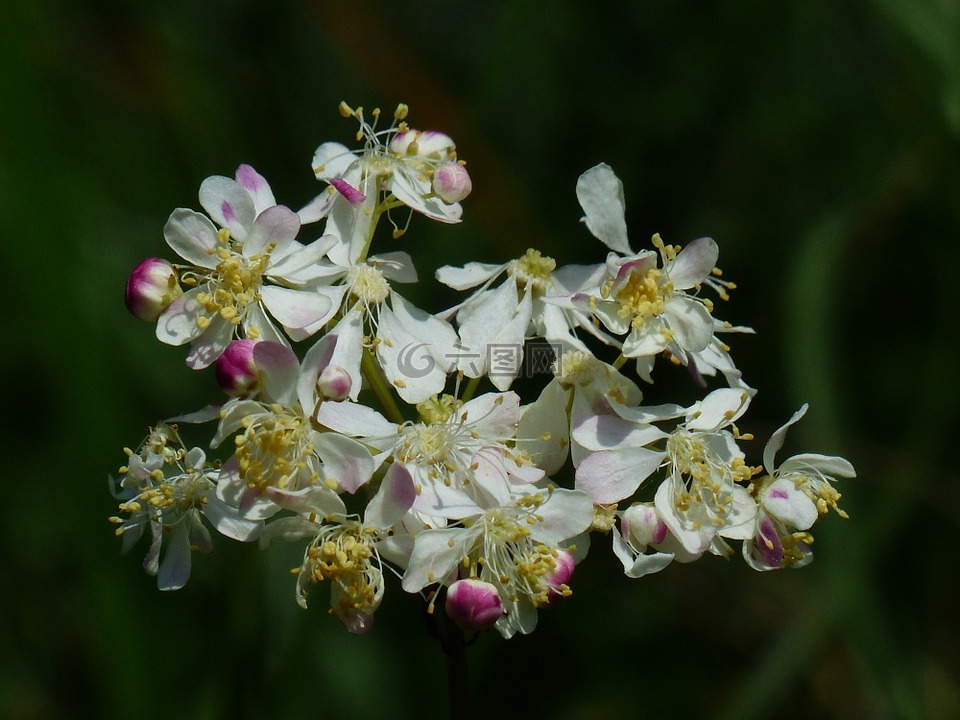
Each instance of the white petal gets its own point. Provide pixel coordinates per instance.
(396, 266)
(228, 204)
(255, 184)
(740, 522)
(565, 513)
(298, 264)
(316, 499)
(192, 236)
(694, 263)
(279, 369)
(776, 440)
(604, 432)
(612, 475)
(227, 521)
(718, 409)
(331, 160)
(470, 275)
(295, 308)
(174, 570)
(392, 501)
(435, 554)
(791, 506)
(829, 466)
(691, 323)
(407, 361)
(544, 428)
(600, 193)
(314, 361)
(345, 460)
(205, 349)
(415, 194)
(177, 324)
(354, 419)
(349, 350)
(273, 230)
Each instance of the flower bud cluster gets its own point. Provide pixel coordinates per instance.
(384, 436)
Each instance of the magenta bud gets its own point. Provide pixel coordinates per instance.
(641, 526)
(559, 579)
(334, 383)
(150, 288)
(473, 604)
(451, 182)
(235, 370)
(423, 143)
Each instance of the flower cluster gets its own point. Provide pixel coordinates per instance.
(351, 420)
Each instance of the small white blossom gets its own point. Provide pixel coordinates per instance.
(249, 269)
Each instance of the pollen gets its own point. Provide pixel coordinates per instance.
(643, 296)
(533, 270)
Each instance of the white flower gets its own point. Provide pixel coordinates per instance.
(700, 499)
(515, 546)
(167, 488)
(248, 268)
(413, 347)
(277, 448)
(534, 302)
(582, 386)
(791, 498)
(638, 298)
(396, 165)
(642, 528)
(460, 456)
(342, 548)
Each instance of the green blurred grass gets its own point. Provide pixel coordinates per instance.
(817, 142)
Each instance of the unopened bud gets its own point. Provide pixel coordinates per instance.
(559, 579)
(641, 526)
(473, 604)
(451, 182)
(334, 383)
(235, 370)
(423, 143)
(150, 288)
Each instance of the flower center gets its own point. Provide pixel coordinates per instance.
(367, 284)
(434, 445)
(344, 554)
(275, 450)
(643, 296)
(234, 284)
(533, 270)
(512, 558)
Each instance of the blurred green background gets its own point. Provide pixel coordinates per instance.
(817, 142)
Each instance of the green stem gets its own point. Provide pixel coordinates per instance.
(618, 363)
(470, 389)
(381, 388)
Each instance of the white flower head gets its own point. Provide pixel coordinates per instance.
(168, 488)
(241, 274)
(519, 547)
(792, 497)
(460, 455)
(397, 164)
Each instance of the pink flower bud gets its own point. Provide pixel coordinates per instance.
(474, 605)
(334, 383)
(559, 580)
(641, 526)
(423, 143)
(235, 370)
(451, 182)
(150, 288)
